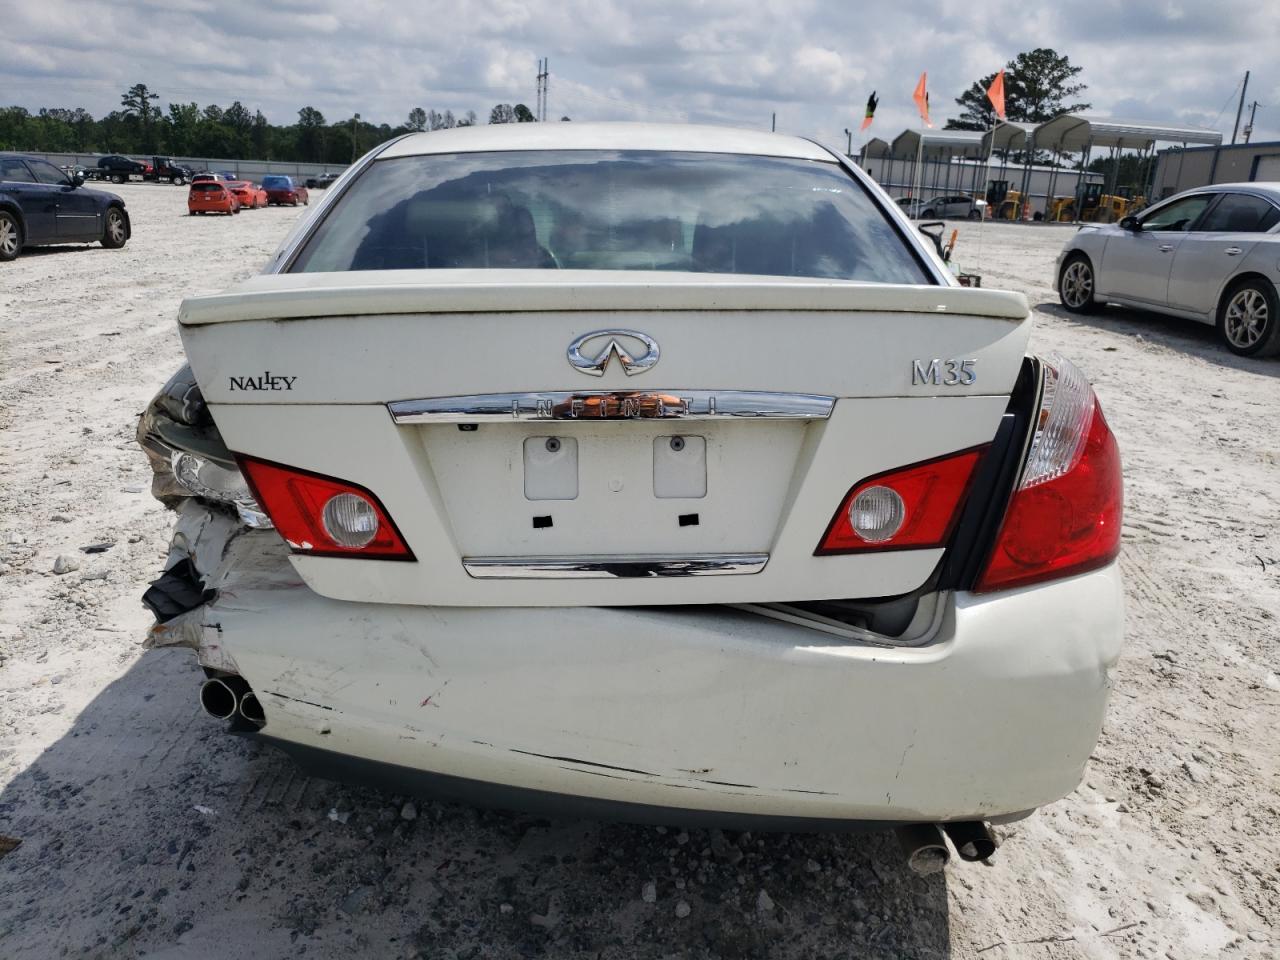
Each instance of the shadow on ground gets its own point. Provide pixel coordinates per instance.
(1187, 336)
(148, 831)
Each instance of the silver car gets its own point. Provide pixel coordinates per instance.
(1211, 254)
(956, 205)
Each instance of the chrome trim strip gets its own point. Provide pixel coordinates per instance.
(592, 405)
(622, 566)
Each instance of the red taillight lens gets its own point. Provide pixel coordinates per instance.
(1065, 515)
(321, 516)
(912, 508)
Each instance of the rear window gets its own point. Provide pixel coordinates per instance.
(276, 183)
(611, 210)
(206, 187)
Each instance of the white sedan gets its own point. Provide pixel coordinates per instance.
(657, 472)
(1210, 254)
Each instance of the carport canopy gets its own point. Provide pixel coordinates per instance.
(1074, 132)
(876, 148)
(937, 144)
(1007, 135)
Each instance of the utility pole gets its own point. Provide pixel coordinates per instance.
(355, 135)
(848, 150)
(1240, 109)
(1248, 129)
(774, 124)
(544, 82)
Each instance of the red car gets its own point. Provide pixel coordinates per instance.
(249, 194)
(210, 197)
(281, 190)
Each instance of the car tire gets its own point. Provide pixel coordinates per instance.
(1076, 282)
(115, 229)
(975, 214)
(180, 181)
(117, 178)
(1249, 318)
(10, 236)
(926, 214)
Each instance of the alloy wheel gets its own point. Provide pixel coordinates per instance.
(1246, 318)
(8, 237)
(115, 227)
(1077, 284)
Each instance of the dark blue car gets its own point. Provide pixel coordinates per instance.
(40, 204)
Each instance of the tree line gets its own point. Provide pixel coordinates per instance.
(234, 132)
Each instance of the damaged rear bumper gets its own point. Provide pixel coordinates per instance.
(693, 713)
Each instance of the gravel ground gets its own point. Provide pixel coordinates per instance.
(145, 830)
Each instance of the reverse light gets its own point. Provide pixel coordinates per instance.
(1065, 514)
(350, 519)
(324, 516)
(911, 508)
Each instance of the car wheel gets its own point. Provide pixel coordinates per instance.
(1075, 284)
(10, 236)
(180, 181)
(114, 232)
(927, 213)
(975, 214)
(117, 178)
(1249, 319)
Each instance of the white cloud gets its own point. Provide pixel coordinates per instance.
(813, 62)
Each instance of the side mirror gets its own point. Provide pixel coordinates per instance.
(77, 180)
(1132, 224)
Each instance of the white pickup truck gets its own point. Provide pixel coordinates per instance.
(657, 472)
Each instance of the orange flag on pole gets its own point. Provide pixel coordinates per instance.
(921, 97)
(995, 93)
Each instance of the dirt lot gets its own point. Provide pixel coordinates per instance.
(147, 831)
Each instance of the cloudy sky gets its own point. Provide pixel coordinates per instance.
(812, 61)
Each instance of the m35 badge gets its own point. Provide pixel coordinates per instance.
(943, 373)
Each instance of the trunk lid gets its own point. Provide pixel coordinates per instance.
(587, 438)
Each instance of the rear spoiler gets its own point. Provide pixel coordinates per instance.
(301, 295)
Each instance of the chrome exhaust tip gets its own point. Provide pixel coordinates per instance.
(251, 709)
(220, 696)
(924, 846)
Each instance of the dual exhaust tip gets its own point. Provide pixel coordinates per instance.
(224, 698)
(925, 845)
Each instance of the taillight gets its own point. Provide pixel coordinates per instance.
(1064, 517)
(911, 508)
(321, 516)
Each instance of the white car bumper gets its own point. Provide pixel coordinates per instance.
(695, 709)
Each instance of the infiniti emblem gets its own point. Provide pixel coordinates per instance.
(594, 362)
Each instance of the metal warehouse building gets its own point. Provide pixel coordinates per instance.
(1200, 166)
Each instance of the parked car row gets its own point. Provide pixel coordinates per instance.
(210, 194)
(118, 169)
(40, 204)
